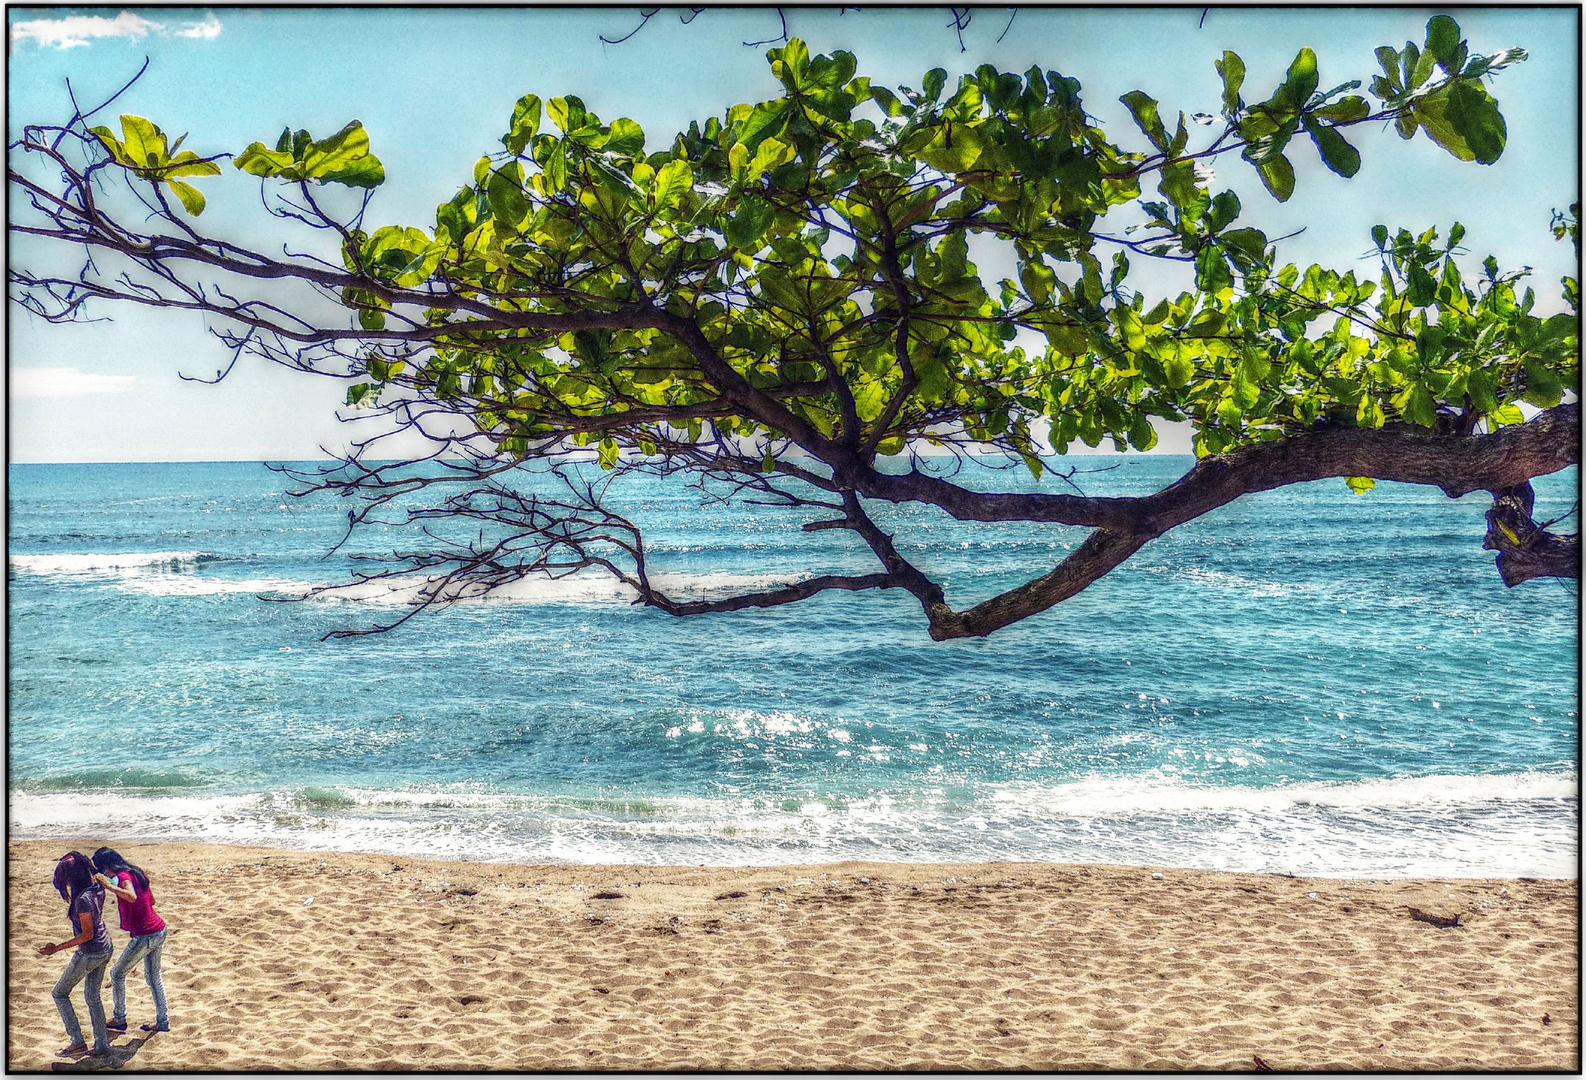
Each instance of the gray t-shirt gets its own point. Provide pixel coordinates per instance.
(91, 900)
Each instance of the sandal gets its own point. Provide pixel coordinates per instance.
(116, 1025)
(156, 1027)
(73, 1050)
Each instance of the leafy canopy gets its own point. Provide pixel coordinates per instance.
(821, 239)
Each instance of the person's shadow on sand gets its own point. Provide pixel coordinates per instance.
(118, 1056)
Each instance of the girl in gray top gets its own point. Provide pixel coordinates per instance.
(85, 905)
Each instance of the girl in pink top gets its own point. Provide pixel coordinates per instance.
(135, 903)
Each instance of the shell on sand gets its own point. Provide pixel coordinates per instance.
(405, 963)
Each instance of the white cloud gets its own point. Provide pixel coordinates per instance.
(58, 382)
(73, 31)
(207, 30)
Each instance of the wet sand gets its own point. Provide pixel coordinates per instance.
(301, 961)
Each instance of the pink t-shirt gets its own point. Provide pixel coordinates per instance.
(137, 916)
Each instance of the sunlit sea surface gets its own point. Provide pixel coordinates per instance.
(1306, 681)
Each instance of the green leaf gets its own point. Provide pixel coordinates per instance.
(771, 153)
(1420, 408)
(1345, 110)
(1251, 243)
(1475, 117)
(767, 119)
(790, 63)
(260, 161)
(188, 163)
(1442, 40)
(1232, 70)
(143, 143)
(1478, 384)
(1301, 82)
(371, 319)
(1379, 233)
(1178, 183)
(1211, 270)
(1143, 108)
(1142, 436)
(554, 169)
(525, 123)
(358, 393)
(1421, 287)
(887, 100)
(505, 191)
(1543, 387)
(344, 158)
(745, 228)
(1278, 177)
(1336, 152)
(192, 198)
(935, 79)
(672, 181)
(626, 137)
(567, 113)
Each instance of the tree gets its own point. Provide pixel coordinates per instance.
(784, 297)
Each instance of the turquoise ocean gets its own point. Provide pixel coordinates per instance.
(1306, 681)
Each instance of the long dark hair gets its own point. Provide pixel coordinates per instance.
(107, 862)
(74, 873)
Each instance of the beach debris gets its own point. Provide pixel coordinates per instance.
(1547, 1018)
(1157, 876)
(593, 919)
(601, 989)
(711, 926)
(608, 896)
(1261, 1066)
(864, 881)
(470, 999)
(309, 901)
(1312, 895)
(732, 896)
(1439, 921)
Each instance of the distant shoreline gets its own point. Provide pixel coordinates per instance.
(321, 960)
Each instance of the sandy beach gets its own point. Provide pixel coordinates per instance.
(298, 960)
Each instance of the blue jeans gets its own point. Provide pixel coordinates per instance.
(148, 946)
(89, 969)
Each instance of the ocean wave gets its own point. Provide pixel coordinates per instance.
(1117, 796)
(97, 780)
(188, 585)
(1507, 825)
(590, 588)
(164, 573)
(115, 563)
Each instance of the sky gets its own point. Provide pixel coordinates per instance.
(435, 88)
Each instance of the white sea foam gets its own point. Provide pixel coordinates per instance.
(187, 585)
(166, 573)
(588, 588)
(115, 564)
(1507, 825)
(1116, 796)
